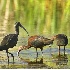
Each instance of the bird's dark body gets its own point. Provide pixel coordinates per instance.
(39, 41)
(9, 41)
(36, 41)
(62, 40)
(37, 44)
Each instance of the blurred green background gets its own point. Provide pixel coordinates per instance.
(41, 17)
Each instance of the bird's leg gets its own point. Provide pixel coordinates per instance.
(42, 55)
(59, 50)
(64, 50)
(42, 51)
(7, 56)
(12, 56)
(37, 54)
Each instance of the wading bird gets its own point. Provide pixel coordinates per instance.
(36, 41)
(62, 40)
(10, 40)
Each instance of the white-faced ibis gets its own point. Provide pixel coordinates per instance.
(62, 40)
(9, 41)
(36, 41)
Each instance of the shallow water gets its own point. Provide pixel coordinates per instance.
(29, 60)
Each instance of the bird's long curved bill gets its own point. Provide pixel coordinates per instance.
(24, 29)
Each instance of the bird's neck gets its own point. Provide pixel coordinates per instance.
(17, 33)
(48, 42)
(17, 30)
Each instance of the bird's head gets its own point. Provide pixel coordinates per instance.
(17, 24)
(21, 48)
(53, 38)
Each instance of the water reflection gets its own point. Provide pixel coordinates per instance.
(36, 62)
(60, 59)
